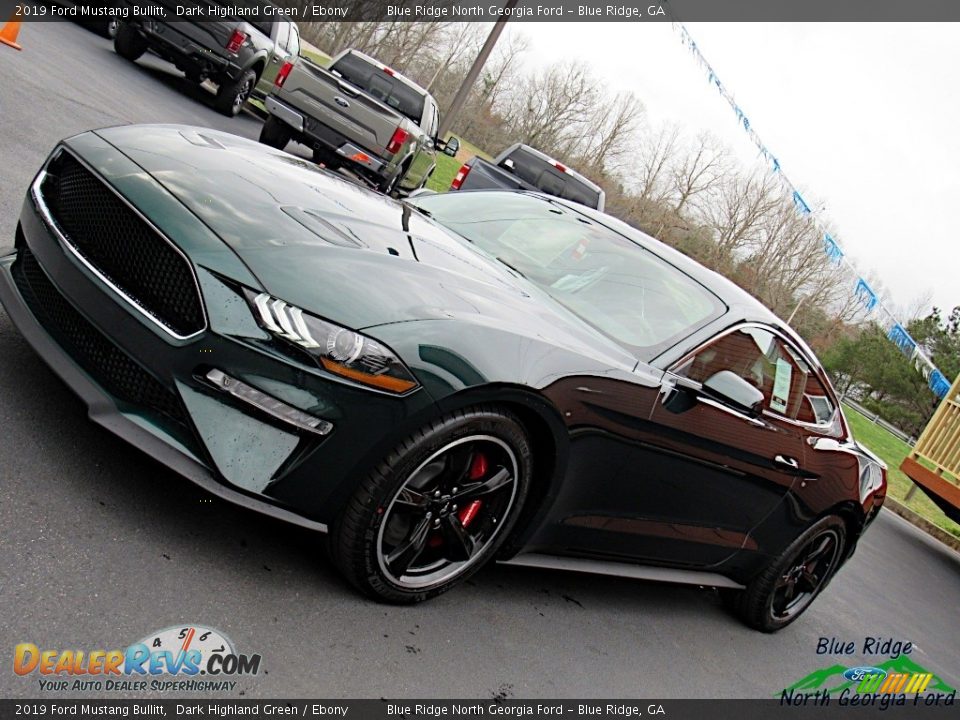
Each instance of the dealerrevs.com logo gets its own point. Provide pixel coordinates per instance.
(183, 659)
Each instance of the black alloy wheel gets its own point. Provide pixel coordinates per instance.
(447, 511)
(791, 582)
(802, 580)
(437, 508)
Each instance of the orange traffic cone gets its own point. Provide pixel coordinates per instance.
(8, 34)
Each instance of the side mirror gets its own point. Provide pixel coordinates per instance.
(729, 387)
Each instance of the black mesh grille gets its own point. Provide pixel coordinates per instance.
(112, 368)
(124, 248)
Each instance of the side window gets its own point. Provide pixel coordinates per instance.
(773, 366)
(283, 30)
(293, 46)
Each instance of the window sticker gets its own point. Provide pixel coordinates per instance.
(781, 386)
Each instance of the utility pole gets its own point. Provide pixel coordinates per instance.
(461, 97)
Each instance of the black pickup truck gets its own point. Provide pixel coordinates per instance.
(242, 56)
(521, 167)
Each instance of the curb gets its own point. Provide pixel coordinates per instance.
(948, 539)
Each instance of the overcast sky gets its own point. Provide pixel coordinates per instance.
(863, 117)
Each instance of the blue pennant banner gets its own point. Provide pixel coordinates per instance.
(865, 295)
(831, 248)
(939, 384)
(901, 338)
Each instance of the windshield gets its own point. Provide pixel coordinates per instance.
(614, 284)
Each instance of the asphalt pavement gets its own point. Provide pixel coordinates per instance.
(100, 546)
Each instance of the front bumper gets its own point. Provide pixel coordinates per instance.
(159, 393)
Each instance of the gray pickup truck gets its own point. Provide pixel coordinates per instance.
(359, 114)
(521, 167)
(243, 57)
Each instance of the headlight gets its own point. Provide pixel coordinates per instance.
(337, 349)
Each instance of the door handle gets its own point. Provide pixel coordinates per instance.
(787, 462)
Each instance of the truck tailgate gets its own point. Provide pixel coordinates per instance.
(484, 175)
(339, 105)
(210, 34)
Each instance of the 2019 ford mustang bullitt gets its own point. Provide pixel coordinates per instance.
(440, 381)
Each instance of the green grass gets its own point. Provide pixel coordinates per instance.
(443, 174)
(893, 450)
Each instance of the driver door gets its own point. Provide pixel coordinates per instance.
(717, 471)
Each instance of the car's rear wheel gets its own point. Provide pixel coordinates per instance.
(275, 133)
(128, 43)
(791, 582)
(232, 94)
(437, 508)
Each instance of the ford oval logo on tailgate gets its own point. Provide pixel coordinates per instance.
(341, 102)
(859, 673)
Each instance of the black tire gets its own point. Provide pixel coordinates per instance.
(391, 186)
(389, 543)
(129, 43)
(768, 604)
(233, 94)
(275, 133)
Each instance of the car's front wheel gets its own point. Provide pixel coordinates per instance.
(437, 508)
(791, 582)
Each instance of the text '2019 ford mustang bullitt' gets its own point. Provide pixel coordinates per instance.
(440, 381)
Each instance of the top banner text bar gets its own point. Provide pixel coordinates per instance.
(488, 10)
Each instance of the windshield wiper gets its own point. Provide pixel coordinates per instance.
(500, 259)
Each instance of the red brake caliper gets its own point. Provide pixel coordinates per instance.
(478, 468)
(467, 514)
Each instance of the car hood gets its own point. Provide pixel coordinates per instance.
(334, 248)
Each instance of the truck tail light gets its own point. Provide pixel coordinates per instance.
(282, 74)
(236, 41)
(396, 142)
(559, 167)
(460, 177)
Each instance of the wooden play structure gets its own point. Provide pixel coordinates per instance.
(934, 464)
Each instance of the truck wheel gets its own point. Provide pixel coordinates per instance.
(129, 43)
(388, 186)
(275, 133)
(232, 94)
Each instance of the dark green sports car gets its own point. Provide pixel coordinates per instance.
(437, 382)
